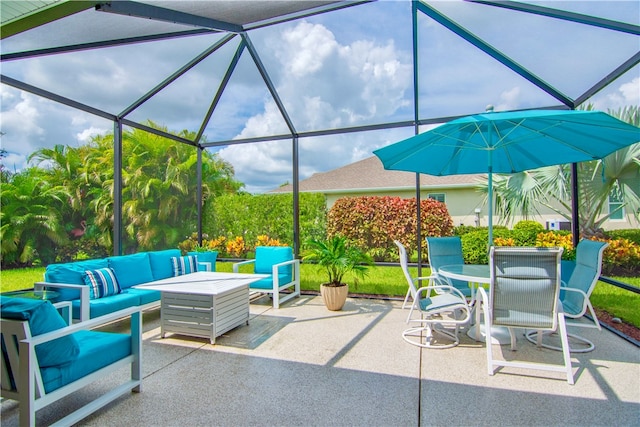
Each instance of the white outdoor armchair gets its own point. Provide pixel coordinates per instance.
(44, 360)
(438, 314)
(575, 293)
(525, 285)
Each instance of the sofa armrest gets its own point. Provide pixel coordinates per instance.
(84, 295)
(236, 265)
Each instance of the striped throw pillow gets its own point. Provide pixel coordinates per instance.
(101, 282)
(184, 265)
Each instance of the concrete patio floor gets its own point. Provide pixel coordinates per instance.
(302, 365)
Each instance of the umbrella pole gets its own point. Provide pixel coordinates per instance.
(490, 206)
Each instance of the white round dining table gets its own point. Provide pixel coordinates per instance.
(476, 275)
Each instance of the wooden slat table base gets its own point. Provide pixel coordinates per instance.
(207, 316)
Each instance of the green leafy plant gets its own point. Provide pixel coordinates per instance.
(337, 258)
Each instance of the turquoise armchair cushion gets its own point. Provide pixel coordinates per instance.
(132, 269)
(267, 256)
(71, 273)
(161, 267)
(267, 282)
(91, 357)
(42, 317)
(208, 256)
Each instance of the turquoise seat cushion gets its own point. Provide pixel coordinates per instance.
(161, 267)
(267, 282)
(208, 256)
(146, 295)
(71, 273)
(42, 317)
(107, 305)
(268, 256)
(101, 283)
(96, 350)
(131, 269)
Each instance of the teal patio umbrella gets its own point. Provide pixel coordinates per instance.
(509, 142)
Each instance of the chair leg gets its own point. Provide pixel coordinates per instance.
(512, 336)
(566, 351)
(488, 339)
(536, 337)
(406, 299)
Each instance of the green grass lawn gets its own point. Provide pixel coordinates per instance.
(383, 281)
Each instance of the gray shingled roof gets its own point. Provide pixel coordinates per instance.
(369, 174)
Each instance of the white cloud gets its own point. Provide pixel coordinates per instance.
(324, 84)
(86, 134)
(306, 46)
(509, 99)
(617, 96)
(630, 92)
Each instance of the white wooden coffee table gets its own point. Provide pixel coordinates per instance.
(203, 304)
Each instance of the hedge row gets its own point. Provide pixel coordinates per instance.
(621, 258)
(373, 222)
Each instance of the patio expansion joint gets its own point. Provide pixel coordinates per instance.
(174, 361)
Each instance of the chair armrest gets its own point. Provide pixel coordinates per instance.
(236, 265)
(89, 324)
(446, 288)
(585, 298)
(85, 313)
(64, 307)
(206, 265)
(294, 262)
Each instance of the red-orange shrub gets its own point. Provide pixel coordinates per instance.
(373, 222)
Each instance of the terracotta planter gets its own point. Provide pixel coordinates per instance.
(334, 297)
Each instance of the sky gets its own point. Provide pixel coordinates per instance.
(347, 68)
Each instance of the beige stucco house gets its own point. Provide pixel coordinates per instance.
(465, 202)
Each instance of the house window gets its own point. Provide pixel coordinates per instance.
(615, 202)
(436, 196)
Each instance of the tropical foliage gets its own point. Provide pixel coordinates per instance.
(31, 221)
(617, 176)
(62, 207)
(337, 258)
(250, 216)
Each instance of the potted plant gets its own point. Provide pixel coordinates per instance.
(337, 258)
(206, 252)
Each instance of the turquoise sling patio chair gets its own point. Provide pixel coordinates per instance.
(438, 314)
(404, 263)
(447, 251)
(283, 270)
(579, 278)
(524, 294)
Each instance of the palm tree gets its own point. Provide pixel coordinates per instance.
(159, 186)
(617, 174)
(31, 221)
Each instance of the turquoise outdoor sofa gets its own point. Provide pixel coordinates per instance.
(96, 294)
(45, 360)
